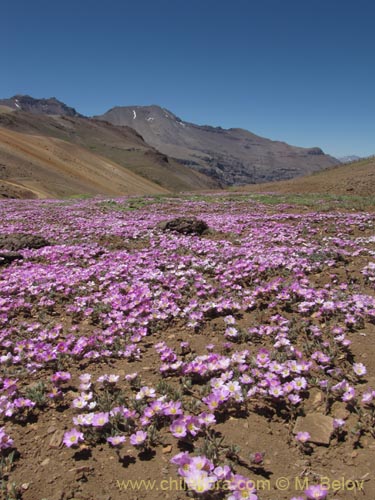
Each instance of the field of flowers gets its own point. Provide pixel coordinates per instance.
(239, 364)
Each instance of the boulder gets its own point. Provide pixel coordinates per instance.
(184, 225)
(18, 241)
(318, 425)
(9, 257)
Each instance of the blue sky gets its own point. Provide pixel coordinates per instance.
(298, 71)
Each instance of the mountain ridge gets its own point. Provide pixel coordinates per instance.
(92, 139)
(155, 143)
(238, 157)
(47, 106)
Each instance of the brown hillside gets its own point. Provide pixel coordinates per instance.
(122, 145)
(357, 178)
(43, 167)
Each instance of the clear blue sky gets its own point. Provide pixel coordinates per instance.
(302, 71)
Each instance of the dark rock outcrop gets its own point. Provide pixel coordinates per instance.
(9, 257)
(184, 225)
(17, 241)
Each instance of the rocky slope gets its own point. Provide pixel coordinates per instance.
(233, 156)
(121, 145)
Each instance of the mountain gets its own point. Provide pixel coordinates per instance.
(348, 159)
(51, 106)
(358, 180)
(232, 157)
(151, 142)
(120, 145)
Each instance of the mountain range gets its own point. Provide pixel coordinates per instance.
(232, 157)
(348, 159)
(48, 149)
(33, 156)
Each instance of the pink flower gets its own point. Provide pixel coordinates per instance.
(368, 396)
(359, 369)
(138, 438)
(338, 422)
(100, 419)
(59, 377)
(303, 437)
(294, 399)
(242, 488)
(348, 394)
(257, 458)
(5, 440)
(181, 458)
(85, 378)
(192, 425)
(207, 418)
(231, 333)
(116, 440)
(316, 492)
(212, 401)
(173, 408)
(72, 438)
(276, 391)
(79, 403)
(222, 472)
(145, 392)
(199, 480)
(178, 428)
(299, 383)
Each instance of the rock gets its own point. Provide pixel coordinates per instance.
(56, 439)
(82, 468)
(17, 241)
(9, 257)
(339, 410)
(184, 225)
(45, 462)
(315, 400)
(302, 463)
(167, 449)
(58, 495)
(318, 425)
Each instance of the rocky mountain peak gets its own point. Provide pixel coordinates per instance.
(50, 106)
